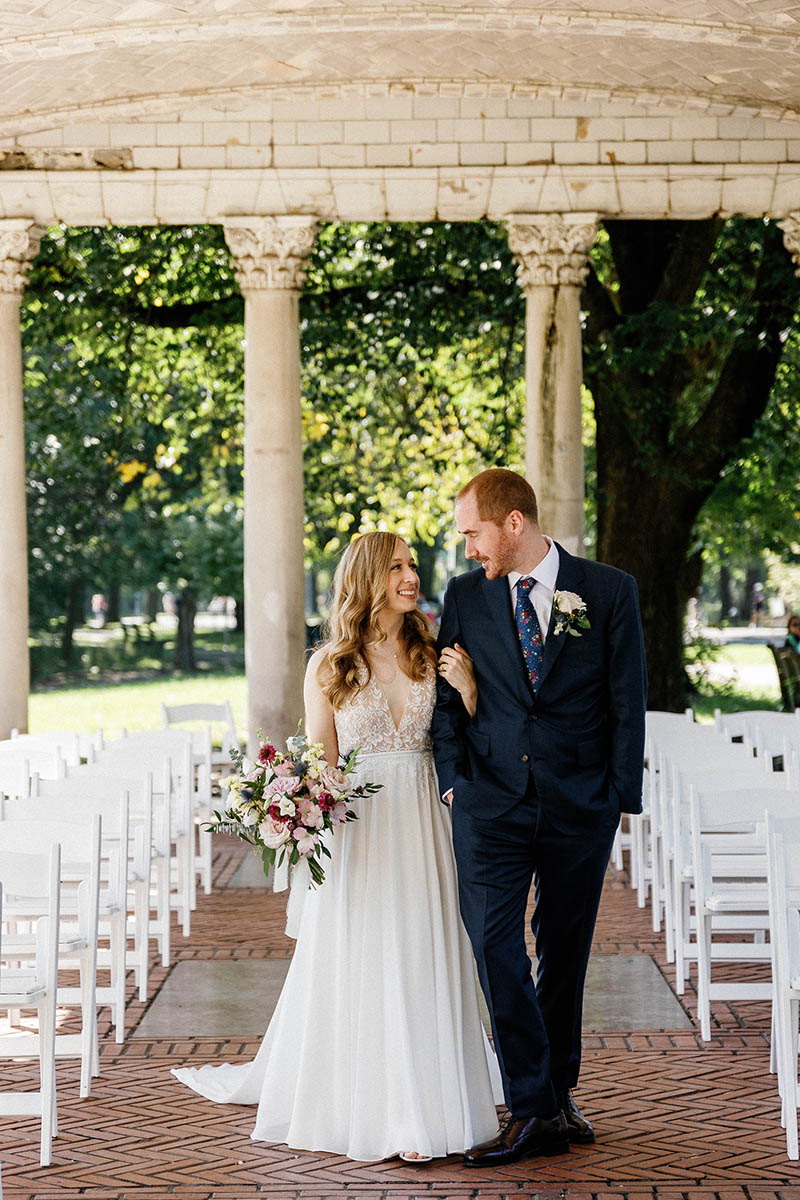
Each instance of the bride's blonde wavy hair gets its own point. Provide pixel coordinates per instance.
(359, 594)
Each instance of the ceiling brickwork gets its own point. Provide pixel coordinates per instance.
(59, 58)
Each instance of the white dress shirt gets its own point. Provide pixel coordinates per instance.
(545, 575)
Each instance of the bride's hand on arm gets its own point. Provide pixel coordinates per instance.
(320, 726)
(456, 666)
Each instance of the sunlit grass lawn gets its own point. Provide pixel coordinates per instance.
(116, 682)
(742, 676)
(134, 706)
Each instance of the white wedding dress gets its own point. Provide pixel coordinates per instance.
(376, 1045)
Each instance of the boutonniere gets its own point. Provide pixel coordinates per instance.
(571, 614)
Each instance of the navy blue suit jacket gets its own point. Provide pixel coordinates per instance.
(582, 734)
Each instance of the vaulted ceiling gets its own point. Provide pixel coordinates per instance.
(61, 60)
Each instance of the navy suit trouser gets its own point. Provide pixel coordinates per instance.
(536, 1027)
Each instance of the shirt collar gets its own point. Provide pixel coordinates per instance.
(545, 572)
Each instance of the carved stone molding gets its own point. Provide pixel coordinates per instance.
(551, 248)
(270, 252)
(791, 237)
(20, 238)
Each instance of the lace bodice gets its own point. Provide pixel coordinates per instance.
(366, 723)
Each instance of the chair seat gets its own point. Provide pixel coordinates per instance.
(734, 900)
(18, 988)
(24, 945)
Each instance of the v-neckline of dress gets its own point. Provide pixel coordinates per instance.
(396, 727)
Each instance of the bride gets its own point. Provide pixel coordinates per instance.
(376, 1047)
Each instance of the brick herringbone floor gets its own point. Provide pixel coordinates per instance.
(677, 1119)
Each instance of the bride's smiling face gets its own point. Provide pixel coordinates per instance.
(402, 583)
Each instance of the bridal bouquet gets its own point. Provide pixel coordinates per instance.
(283, 804)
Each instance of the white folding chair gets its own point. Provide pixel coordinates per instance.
(729, 865)
(114, 814)
(149, 792)
(670, 745)
(642, 867)
(85, 787)
(783, 868)
(712, 773)
(74, 747)
(78, 928)
(26, 877)
(18, 765)
(169, 751)
(219, 715)
(202, 808)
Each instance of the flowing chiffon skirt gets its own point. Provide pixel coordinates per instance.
(376, 1044)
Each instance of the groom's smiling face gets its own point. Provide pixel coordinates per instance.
(493, 546)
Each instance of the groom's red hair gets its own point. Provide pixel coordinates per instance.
(498, 492)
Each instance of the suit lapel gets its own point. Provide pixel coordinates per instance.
(498, 600)
(569, 579)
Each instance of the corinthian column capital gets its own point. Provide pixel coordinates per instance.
(19, 244)
(791, 237)
(270, 252)
(551, 248)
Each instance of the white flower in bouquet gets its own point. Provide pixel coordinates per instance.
(296, 745)
(334, 781)
(274, 834)
(312, 756)
(286, 806)
(249, 816)
(248, 766)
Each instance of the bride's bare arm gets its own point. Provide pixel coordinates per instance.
(320, 725)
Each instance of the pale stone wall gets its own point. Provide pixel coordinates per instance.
(404, 128)
(401, 153)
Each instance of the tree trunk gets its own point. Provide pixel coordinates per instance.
(426, 565)
(725, 594)
(660, 452)
(186, 605)
(113, 610)
(73, 617)
(239, 613)
(153, 605)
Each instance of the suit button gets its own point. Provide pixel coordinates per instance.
(533, 716)
(525, 758)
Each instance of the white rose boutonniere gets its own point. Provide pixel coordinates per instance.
(571, 613)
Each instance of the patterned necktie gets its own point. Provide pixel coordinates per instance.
(529, 630)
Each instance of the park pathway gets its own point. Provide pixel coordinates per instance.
(677, 1119)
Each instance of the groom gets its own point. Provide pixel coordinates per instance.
(537, 779)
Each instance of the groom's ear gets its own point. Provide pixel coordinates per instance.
(515, 522)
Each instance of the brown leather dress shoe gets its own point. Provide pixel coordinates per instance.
(580, 1130)
(521, 1138)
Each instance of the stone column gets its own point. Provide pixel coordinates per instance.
(551, 253)
(19, 243)
(269, 258)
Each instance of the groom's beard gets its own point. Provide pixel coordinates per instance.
(501, 561)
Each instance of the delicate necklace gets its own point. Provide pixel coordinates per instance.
(382, 663)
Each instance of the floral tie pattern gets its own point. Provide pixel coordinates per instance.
(529, 630)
